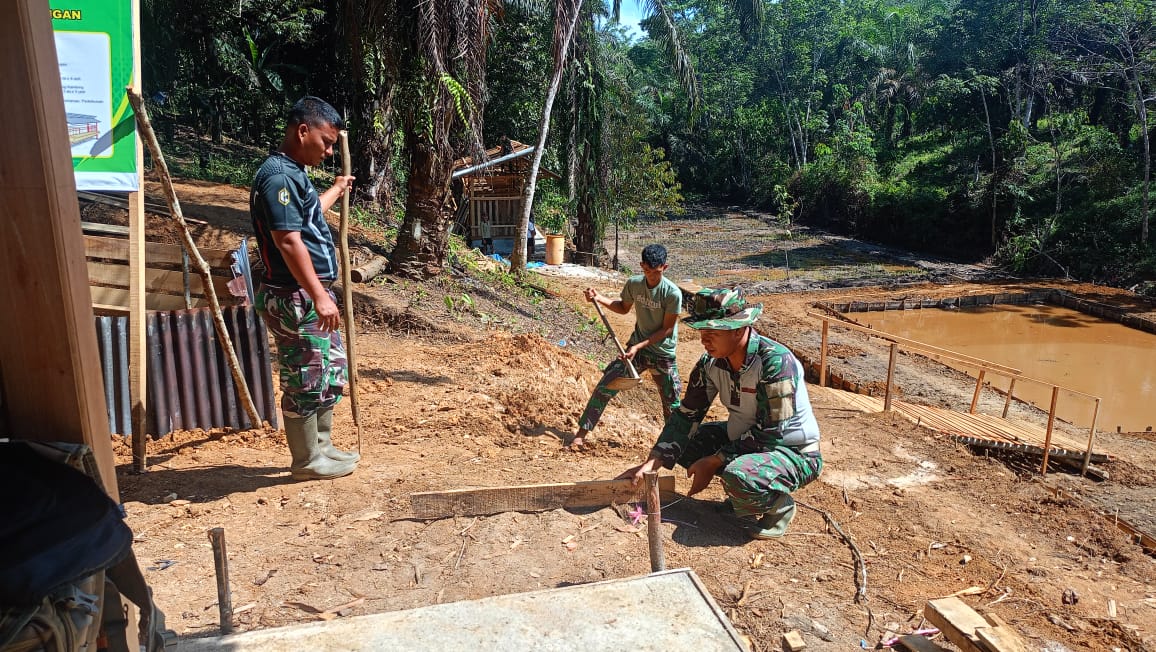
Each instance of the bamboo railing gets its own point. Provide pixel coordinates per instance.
(983, 367)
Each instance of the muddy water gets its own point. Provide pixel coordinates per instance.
(1058, 345)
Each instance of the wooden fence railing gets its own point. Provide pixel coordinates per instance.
(983, 367)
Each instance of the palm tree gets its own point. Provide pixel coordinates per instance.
(587, 152)
(420, 70)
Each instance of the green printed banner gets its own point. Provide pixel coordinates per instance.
(94, 45)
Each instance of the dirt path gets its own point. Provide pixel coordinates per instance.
(459, 403)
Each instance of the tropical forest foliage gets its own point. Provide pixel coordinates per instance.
(1018, 129)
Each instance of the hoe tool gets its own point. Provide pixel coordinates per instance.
(634, 380)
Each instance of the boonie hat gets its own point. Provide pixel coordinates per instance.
(721, 309)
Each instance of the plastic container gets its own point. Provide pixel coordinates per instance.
(555, 249)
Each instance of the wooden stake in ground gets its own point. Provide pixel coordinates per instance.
(347, 290)
(202, 268)
(654, 523)
(221, 562)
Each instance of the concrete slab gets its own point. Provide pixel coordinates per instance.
(664, 611)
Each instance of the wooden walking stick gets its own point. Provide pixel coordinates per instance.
(347, 289)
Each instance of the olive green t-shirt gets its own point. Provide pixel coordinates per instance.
(651, 306)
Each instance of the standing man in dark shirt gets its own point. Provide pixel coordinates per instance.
(294, 298)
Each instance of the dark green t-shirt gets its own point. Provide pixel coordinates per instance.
(283, 199)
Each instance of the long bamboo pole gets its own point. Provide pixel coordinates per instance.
(347, 291)
(144, 126)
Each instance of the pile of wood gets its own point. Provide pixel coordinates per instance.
(965, 628)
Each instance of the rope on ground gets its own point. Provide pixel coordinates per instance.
(856, 554)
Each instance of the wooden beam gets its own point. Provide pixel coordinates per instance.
(957, 621)
(157, 254)
(1000, 637)
(49, 361)
(162, 281)
(530, 498)
(137, 264)
(112, 298)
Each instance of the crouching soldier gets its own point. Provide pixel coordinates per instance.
(769, 445)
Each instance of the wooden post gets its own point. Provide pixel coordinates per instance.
(890, 377)
(978, 387)
(49, 361)
(1091, 439)
(654, 522)
(1051, 425)
(347, 291)
(137, 333)
(221, 562)
(1011, 388)
(823, 357)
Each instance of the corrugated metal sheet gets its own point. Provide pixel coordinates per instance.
(189, 384)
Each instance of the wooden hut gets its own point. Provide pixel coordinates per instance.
(494, 187)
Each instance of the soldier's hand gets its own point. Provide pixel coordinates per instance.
(636, 473)
(344, 183)
(328, 316)
(702, 472)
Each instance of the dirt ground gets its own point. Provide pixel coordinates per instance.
(456, 397)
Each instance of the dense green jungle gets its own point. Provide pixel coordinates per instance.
(1016, 131)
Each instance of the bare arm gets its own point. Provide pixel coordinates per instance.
(296, 256)
(339, 188)
(668, 323)
(613, 305)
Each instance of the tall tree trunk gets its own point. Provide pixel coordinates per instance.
(518, 257)
(1142, 114)
(372, 100)
(423, 239)
(991, 143)
(586, 233)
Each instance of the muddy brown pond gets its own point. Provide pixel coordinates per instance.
(1058, 345)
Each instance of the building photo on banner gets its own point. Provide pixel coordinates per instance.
(94, 46)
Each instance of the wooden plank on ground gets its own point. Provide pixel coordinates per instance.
(1000, 637)
(957, 621)
(530, 498)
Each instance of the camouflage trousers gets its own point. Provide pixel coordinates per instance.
(311, 362)
(665, 373)
(755, 480)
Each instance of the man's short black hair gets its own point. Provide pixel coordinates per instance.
(654, 255)
(314, 112)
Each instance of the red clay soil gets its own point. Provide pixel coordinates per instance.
(465, 404)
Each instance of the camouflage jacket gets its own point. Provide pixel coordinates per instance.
(767, 400)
